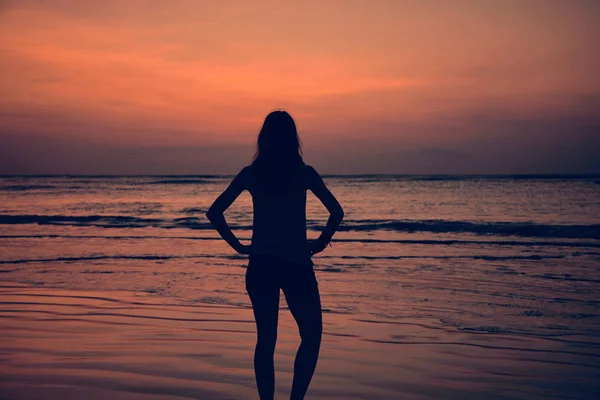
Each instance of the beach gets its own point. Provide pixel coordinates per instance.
(116, 287)
(459, 145)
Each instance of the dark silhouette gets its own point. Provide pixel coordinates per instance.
(280, 255)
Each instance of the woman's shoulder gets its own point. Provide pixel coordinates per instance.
(244, 177)
(309, 169)
(311, 173)
(247, 173)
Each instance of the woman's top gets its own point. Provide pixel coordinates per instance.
(279, 203)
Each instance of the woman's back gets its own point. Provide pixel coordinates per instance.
(279, 203)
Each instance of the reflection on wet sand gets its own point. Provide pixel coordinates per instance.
(127, 345)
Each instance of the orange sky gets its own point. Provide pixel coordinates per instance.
(151, 87)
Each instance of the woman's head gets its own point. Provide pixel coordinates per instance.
(278, 141)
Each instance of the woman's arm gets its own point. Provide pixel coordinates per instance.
(222, 203)
(336, 213)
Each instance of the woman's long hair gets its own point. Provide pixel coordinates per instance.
(278, 150)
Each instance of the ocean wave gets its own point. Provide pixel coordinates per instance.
(81, 220)
(22, 188)
(542, 177)
(194, 210)
(458, 257)
(113, 221)
(442, 177)
(145, 257)
(431, 242)
(451, 242)
(92, 258)
(521, 229)
(178, 182)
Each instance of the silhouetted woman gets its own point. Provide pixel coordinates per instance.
(280, 255)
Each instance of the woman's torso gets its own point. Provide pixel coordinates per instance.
(279, 203)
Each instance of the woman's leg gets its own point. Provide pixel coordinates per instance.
(264, 295)
(304, 301)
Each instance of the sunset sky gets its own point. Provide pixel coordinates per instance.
(375, 86)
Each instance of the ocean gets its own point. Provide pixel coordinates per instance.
(434, 287)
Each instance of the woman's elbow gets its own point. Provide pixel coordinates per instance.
(338, 214)
(211, 214)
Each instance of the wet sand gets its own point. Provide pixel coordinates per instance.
(73, 344)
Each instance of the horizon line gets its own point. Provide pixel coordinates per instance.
(514, 175)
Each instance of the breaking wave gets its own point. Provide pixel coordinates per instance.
(520, 229)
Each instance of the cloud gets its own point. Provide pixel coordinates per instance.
(389, 87)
